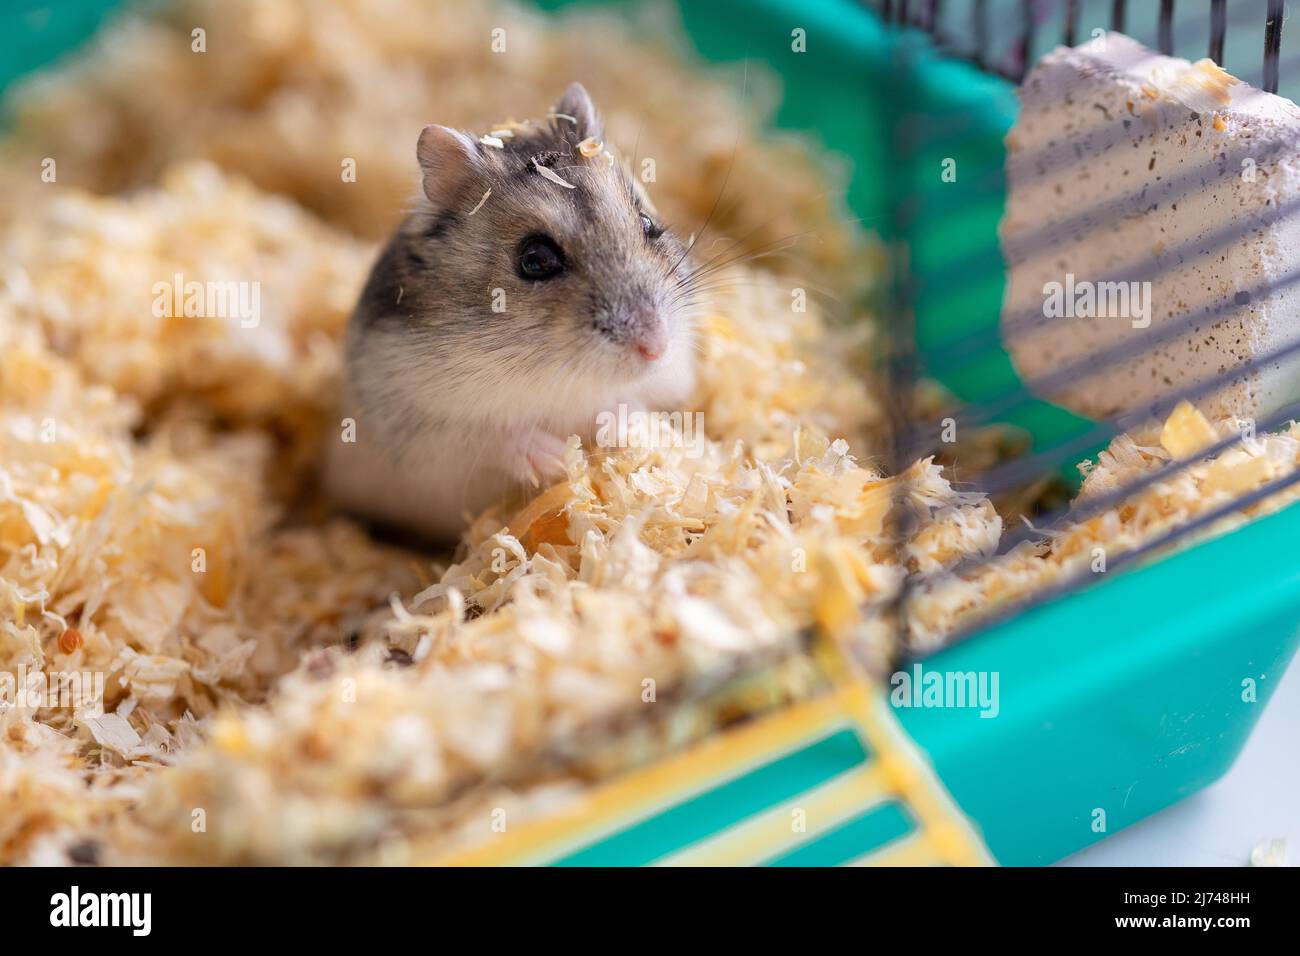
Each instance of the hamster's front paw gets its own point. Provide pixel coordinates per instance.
(537, 456)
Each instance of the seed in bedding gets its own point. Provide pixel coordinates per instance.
(70, 640)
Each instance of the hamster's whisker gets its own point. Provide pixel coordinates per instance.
(732, 241)
(717, 200)
(739, 241)
(724, 281)
(636, 143)
(764, 251)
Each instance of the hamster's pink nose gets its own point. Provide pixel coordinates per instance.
(650, 343)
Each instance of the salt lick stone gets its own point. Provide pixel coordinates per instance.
(1126, 165)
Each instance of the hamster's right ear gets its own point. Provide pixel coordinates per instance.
(577, 105)
(450, 160)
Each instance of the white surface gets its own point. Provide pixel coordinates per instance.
(1258, 799)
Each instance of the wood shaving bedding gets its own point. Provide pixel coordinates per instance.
(312, 695)
(1072, 552)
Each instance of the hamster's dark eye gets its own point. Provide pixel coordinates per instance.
(649, 228)
(540, 258)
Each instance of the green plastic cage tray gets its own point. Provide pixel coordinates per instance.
(1123, 697)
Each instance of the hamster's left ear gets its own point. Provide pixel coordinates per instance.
(576, 103)
(450, 162)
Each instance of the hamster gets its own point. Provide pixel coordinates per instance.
(532, 288)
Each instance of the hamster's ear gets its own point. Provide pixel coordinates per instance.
(576, 102)
(450, 160)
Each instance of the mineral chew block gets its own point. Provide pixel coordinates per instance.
(1143, 191)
